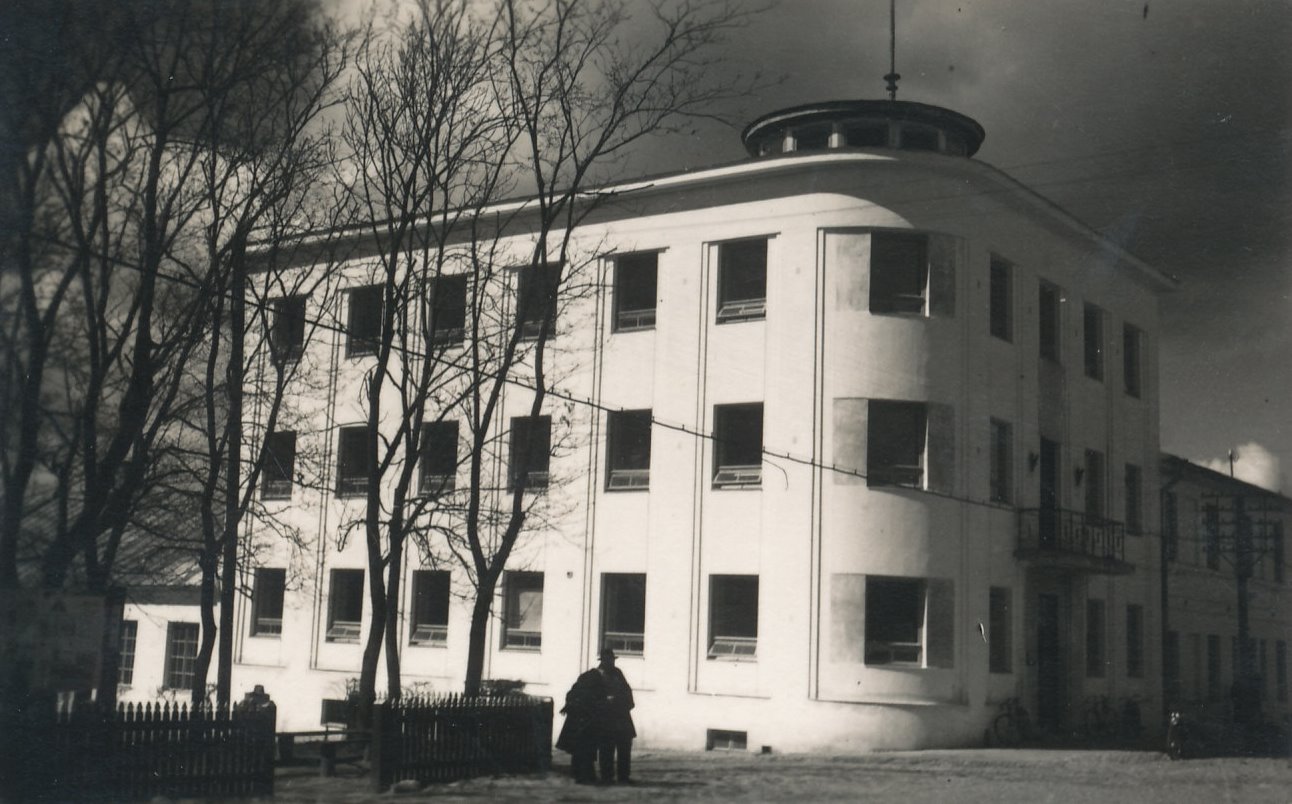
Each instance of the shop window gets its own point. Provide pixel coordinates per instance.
(352, 461)
(531, 448)
(523, 611)
(1132, 370)
(1096, 639)
(623, 613)
(287, 332)
(267, 601)
(438, 462)
(181, 655)
(536, 299)
(448, 309)
(628, 445)
(430, 620)
(1000, 643)
(1002, 299)
(742, 280)
(278, 469)
(1049, 320)
(363, 326)
(733, 616)
(345, 605)
(738, 445)
(1093, 328)
(636, 286)
(1002, 462)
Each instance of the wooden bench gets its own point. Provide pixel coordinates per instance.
(335, 745)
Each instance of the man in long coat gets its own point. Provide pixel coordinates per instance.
(581, 733)
(617, 730)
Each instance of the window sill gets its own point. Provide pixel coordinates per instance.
(737, 659)
(522, 648)
(428, 643)
(342, 640)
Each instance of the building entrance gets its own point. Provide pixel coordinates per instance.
(1051, 662)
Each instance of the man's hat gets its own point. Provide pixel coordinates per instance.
(607, 655)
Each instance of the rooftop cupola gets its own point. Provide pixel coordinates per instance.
(893, 124)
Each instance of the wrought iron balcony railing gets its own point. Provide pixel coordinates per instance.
(1072, 538)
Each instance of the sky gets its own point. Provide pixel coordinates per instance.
(1167, 126)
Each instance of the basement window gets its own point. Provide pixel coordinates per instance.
(742, 280)
(724, 740)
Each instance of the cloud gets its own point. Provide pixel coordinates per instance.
(1253, 464)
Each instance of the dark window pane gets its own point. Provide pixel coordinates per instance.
(636, 278)
(267, 601)
(1093, 321)
(439, 457)
(430, 623)
(1131, 341)
(624, 612)
(523, 610)
(448, 309)
(352, 461)
(1000, 634)
(536, 302)
(899, 272)
(181, 655)
(1095, 638)
(1048, 305)
(812, 138)
(919, 139)
(742, 280)
(287, 335)
(733, 615)
(279, 465)
(363, 330)
(738, 444)
(628, 462)
(866, 135)
(345, 605)
(531, 447)
(895, 437)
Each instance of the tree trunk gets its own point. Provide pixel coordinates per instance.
(394, 569)
(202, 665)
(376, 628)
(476, 644)
(232, 479)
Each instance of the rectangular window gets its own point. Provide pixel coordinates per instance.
(623, 613)
(1093, 329)
(439, 458)
(1096, 483)
(1279, 556)
(363, 327)
(448, 309)
(352, 462)
(536, 299)
(866, 135)
(1211, 532)
(812, 138)
(126, 652)
(267, 601)
(287, 332)
(1135, 641)
(733, 616)
(1213, 668)
(899, 273)
(278, 469)
(1049, 320)
(1134, 499)
(896, 433)
(522, 623)
(1096, 639)
(742, 280)
(345, 605)
(1132, 344)
(894, 620)
(628, 446)
(1171, 665)
(181, 655)
(636, 279)
(430, 622)
(1000, 640)
(1002, 461)
(1171, 525)
(531, 449)
(738, 445)
(1002, 299)
(1281, 671)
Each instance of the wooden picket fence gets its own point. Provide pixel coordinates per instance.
(442, 739)
(140, 751)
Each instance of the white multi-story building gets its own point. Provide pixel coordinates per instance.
(866, 442)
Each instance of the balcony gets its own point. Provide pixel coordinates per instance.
(1071, 540)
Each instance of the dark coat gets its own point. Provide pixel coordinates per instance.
(597, 707)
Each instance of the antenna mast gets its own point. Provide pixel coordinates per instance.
(892, 78)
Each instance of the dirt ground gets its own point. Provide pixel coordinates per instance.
(945, 777)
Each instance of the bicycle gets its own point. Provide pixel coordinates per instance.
(1012, 727)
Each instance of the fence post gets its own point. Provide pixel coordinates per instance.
(381, 745)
